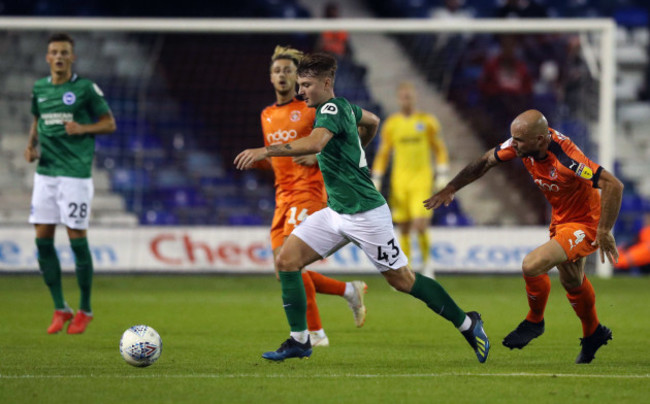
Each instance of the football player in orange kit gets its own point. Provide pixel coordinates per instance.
(299, 187)
(582, 220)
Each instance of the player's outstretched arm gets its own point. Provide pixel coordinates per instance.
(31, 152)
(311, 144)
(467, 175)
(368, 125)
(610, 204)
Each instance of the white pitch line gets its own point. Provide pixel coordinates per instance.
(321, 376)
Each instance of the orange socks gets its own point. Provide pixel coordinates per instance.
(315, 282)
(325, 285)
(583, 301)
(313, 316)
(537, 291)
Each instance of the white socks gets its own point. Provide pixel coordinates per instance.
(300, 336)
(349, 290)
(466, 324)
(319, 333)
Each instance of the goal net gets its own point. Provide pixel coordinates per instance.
(187, 95)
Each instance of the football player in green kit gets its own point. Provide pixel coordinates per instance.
(356, 212)
(68, 112)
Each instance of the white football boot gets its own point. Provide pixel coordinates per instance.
(355, 301)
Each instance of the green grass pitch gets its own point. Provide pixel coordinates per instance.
(214, 329)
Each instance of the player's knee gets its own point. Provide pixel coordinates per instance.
(285, 262)
(532, 266)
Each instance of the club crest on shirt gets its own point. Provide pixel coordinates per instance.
(69, 98)
(584, 172)
(553, 173)
(419, 126)
(294, 116)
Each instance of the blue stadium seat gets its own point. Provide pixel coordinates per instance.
(245, 220)
(633, 204)
(124, 179)
(144, 143)
(204, 164)
(631, 17)
(170, 178)
(158, 218)
(230, 202)
(181, 197)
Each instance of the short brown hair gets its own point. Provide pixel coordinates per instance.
(317, 65)
(61, 37)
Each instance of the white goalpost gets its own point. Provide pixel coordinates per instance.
(597, 39)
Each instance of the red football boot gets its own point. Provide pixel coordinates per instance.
(59, 318)
(79, 323)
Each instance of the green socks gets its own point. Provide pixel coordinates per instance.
(294, 300)
(48, 262)
(84, 271)
(437, 298)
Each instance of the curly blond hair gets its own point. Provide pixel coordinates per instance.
(286, 52)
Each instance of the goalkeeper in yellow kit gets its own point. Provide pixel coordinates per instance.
(413, 136)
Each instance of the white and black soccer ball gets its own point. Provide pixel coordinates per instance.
(140, 346)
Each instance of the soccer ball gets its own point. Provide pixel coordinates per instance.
(140, 346)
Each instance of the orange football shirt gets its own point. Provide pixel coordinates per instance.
(568, 179)
(283, 124)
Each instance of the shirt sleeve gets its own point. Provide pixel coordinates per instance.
(505, 151)
(329, 116)
(358, 112)
(98, 105)
(581, 165)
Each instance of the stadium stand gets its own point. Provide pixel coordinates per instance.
(170, 161)
(546, 58)
(165, 164)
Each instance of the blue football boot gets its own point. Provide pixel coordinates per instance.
(289, 349)
(477, 338)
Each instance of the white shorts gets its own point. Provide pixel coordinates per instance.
(326, 231)
(61, 200)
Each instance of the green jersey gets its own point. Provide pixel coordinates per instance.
(78, 100)
(343, 160)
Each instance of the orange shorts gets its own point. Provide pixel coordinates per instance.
(288, 215)
(575, 239)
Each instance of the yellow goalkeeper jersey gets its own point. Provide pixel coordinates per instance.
(412, 139)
